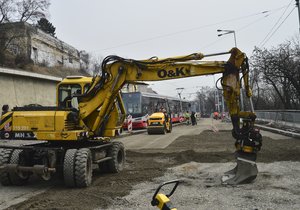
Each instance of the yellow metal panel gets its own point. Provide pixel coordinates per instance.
(157, 115)
(60, 118)
(33, 121)
(59, 136)
(109, 132)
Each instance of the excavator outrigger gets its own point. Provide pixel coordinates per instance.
(76, 132)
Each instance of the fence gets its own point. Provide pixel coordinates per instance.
(289, 118)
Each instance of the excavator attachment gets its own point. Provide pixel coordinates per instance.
(244, 172)
(248, 143)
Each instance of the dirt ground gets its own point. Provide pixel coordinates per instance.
(146, 168)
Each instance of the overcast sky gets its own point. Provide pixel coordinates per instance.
(141, 29)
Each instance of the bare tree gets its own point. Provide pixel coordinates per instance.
(206, 96)
(95, 65)
(7, 9)
(32, 10)
(23, 10)
(279, 68)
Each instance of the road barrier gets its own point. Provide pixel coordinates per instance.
(129, 123)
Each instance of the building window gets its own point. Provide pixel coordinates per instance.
(35, 54)
(70, 60)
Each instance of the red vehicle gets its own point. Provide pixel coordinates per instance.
(141, 104)
(137, 123)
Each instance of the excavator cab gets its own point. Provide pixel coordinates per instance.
(69, 89)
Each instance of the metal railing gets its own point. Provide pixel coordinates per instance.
(289, 118)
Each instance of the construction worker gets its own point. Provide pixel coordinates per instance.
(187, 117)
(193, 118)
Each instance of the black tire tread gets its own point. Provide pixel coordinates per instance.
(68, 170)
(83, 172)
(4, 159)
(13, 176)
(113, 164)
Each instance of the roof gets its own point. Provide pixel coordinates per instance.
(153, 95)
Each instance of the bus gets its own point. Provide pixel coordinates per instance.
(140, 105)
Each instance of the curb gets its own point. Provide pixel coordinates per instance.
(275, 130)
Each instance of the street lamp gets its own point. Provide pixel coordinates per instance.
(225, 32)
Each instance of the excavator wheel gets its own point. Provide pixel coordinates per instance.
(68, 170)
(117, 152)
(83, 167)
(5, 155)
(9, 156)
(78, 167)
(17, 178)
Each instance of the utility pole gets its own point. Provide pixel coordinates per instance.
(179, 91)
(297, 5)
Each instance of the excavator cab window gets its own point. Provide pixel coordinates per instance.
(67, 95)
(86, 88)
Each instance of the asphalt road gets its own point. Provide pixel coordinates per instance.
(145, 141)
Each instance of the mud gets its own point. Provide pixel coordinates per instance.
(143, 166)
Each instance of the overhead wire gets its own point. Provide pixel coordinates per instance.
(193, 29)
(268, 36)
(242, 28)
(277, 27)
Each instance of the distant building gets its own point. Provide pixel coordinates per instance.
(27, 43)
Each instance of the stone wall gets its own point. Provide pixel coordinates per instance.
(50, 51)
(19, 88)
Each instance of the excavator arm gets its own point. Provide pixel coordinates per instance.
(116, 71)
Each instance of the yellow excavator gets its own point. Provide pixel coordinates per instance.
(74, 135)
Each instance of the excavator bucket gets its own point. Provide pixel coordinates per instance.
(244, 172)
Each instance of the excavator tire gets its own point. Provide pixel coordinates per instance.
(5, 155)
(83, 167)
(68, 171)
(12, 178)
(117, 152)
(17, 178)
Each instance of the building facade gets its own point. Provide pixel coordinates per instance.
(24, 41)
